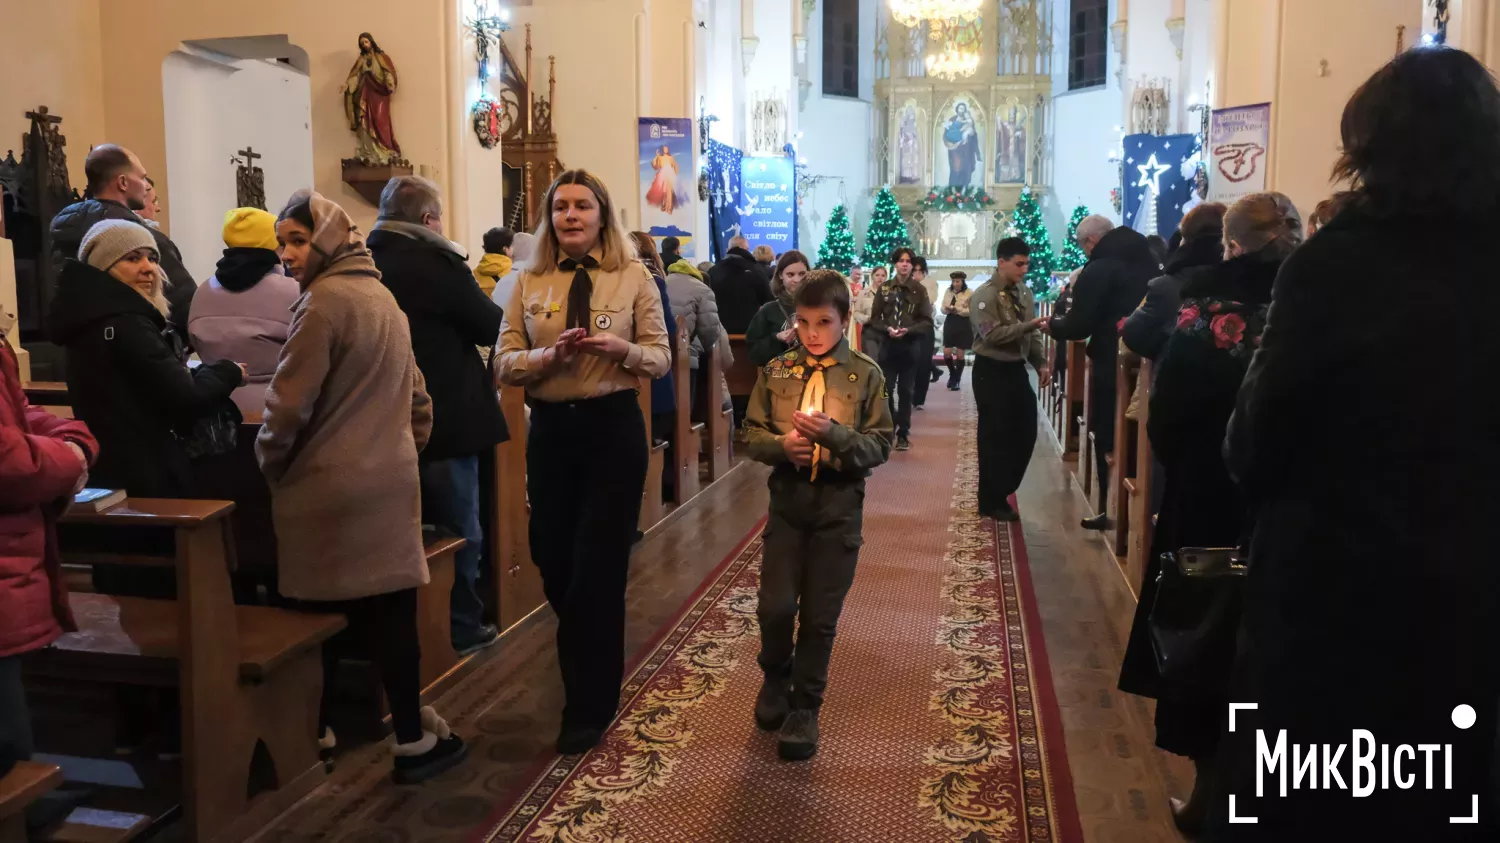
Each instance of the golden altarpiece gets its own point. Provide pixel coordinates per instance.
(962, 110)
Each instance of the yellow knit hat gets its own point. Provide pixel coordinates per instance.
(249, 228)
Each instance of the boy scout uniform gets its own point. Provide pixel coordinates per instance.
(814, 532)
(1004, 340)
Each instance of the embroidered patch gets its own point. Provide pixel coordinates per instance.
(853, 377)
(602, 322)
(797, 370)
(981, 305)
(535, 308)
(789, 356)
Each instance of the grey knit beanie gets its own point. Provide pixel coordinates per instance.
(110, 240)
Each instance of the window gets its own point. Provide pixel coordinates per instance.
(841, 48)
(1088, 43)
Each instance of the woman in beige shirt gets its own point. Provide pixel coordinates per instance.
(958, 333)
(583, 326)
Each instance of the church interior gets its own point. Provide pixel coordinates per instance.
(984, 198)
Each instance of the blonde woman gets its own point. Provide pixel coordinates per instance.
(582, 327)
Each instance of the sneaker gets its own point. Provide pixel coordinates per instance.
(328, 742)
(483, 637)
(903, 444)
(574, 740)
(798, 740)
(1098, 522)
(437, 752)
(772, 705)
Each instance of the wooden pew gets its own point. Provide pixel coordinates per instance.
(1085, 436)
(652, 508)
(47, 393)
(718, 444)
(1075, 391)
(249, 677)
(434, 615)
(518, 582)
(1121, 459)
(686, 436)
(1138, 487)
(741, 373)
(23, 785)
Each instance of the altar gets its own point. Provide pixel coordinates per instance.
(962, 110)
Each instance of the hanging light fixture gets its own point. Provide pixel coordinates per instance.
(954, 62)
(911, 13)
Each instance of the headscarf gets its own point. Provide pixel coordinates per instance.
(338, 246)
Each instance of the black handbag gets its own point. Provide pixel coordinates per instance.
(1195, 619)
(215, 433)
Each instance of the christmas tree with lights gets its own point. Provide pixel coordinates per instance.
(1072, 255)
(887, 231)
(1027, 224)
(837, 248)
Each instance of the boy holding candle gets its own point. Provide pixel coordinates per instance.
(819, 416)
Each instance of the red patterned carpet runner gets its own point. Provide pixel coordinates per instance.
(939, 722)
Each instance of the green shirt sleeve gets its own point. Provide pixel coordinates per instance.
(867, 445)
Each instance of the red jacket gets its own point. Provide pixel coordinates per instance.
(37, 474)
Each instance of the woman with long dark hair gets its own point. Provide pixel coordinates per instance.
(1368, 453)
(772, 331)
(583, 326)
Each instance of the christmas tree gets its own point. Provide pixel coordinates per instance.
(837, 249)
(1072, 255)
(1027, 224)
(887, 231)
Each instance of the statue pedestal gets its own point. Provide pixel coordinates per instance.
(369, 179)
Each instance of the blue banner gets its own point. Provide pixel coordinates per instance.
(768, 206)
(724, 195)
(1162, 166)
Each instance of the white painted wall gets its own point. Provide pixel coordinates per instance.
(1149, 54)
(1084, 132)
(773, 71)
(211, 111)
(837, 136)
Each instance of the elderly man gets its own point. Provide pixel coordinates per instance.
(739, 286)
(450, 318)
(119, 189)
(1108, 289)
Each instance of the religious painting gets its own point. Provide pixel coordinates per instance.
(367, 104)
(909, 157)
(1011, 150)
(666, 176)
(958, 158)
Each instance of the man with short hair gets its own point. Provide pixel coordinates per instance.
(1109, 287)
(450, 318)
(1007, 335)
(119, 189)
(739, 287)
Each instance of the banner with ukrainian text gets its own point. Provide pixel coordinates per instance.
(768, 203)
(667, 179)
(1239, 140)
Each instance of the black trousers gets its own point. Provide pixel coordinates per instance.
(1007, 428)
(383, 629)
(812, 545)
(899, 363)
(926, 348)
(585, 472)
(1102, 421)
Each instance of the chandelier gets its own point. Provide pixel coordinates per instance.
(911, 13)
(952, 63)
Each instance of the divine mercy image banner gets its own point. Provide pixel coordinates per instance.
(667, 179)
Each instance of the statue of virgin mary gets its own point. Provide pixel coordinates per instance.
(367, 103)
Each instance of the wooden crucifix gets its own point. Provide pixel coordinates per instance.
(250, 180)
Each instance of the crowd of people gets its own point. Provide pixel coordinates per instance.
(1293, 429)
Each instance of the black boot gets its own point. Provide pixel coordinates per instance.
(1191, 817)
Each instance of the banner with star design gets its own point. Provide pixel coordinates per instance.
(1154, 168)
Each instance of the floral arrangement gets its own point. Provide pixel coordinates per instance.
(1116, 198)
(957, 199)
(486, 117)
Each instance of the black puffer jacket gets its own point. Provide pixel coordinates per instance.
(73, 222)
(1110, 286)
(129, 383)
(450, 318)
(740, 288)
